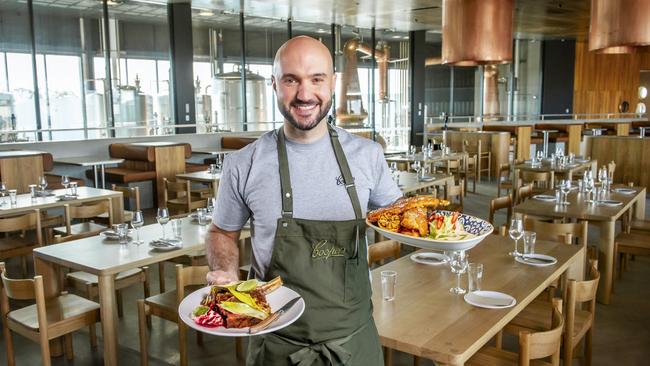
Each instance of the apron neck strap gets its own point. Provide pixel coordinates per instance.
(285, 178)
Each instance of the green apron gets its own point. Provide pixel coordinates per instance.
(326, 263)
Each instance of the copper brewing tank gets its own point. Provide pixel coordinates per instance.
(490, 90)
(349, 106)
(477, 32)
(618, 26)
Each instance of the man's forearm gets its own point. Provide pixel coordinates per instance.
(222, 250)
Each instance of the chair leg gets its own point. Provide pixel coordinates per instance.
(388, 356)
(568, 350)
(588, 346)
(120, 305)
(416, 361)
(23, 260)
(69, 352)
(93, 336)
(161, 276)
(45, 351)
(142, 330)
(9, 345)
(146, 288)
(498, 340)
(182, 342)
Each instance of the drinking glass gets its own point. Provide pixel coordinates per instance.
(177, 228)
(3, 192)
(529, 242)
(393, 169)
(416, 166)
(163, 218)
(212, 203)
(458, 264)
(388, 282)
(42, 183)
(602, 176)
(65, 182)
(516, 231)
(137, 221)
(122, 231)
(540, 156)
(202, 216)
(212, 169)
(565, 188)
(589, 187)
(12, 197)
(474, 276)
(73, 188)
(412, 150)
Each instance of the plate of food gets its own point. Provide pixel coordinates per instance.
(242, 308)
(422, 222)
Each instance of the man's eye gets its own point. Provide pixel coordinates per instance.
(289, 81)
(318, 80)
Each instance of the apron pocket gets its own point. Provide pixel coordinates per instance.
(357, 281)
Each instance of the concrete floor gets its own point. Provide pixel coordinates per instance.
(622, 329)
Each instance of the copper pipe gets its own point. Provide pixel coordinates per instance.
(618, 26)
(477, 32)
(490, 90)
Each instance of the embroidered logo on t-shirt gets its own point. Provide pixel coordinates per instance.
(340, 181)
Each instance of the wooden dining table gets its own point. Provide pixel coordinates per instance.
(24, 202)
(426, 320)
(409, 182)
(603, 217)
(437, 156)
(203, 176)
(565, 171)
(106, 259)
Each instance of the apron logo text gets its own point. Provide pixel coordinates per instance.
(322, 251)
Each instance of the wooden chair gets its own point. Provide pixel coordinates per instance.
(85, 212)
(470, 170)
(46, 319)
(532, 346)
(455, 192)
(129, 193)
(636, 242)
(165, 305)
(580, 314)
(22, 233)
(379, 252)
(483, 155)
(524, 192)
(501, 203)
(504, 179)
(183, 202)
(542, 181)
(89, 283)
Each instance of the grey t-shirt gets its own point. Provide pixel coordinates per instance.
(250, 186)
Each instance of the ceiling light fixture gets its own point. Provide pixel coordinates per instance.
(619, 26)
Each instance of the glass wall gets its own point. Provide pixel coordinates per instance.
(437, 80)
(527, 78)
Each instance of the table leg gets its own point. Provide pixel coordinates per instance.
(639, 206)
(103, 176)
(96, 176)
(515, 185)
(606, 260)
(108, 314)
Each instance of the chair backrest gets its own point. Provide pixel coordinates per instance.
(129, 193)
(611, 168)
(187, 276)
(504, 172)
(579, 294)
(378, 252)
(87, 211)
(565, 233)
(524, 192)
(536, 178)
(16, 289)
(500, 203)
(26, 221)
(543, 344)
(180, 189)
(454, 191)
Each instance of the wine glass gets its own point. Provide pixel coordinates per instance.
(3, 192)
(540, 156)
(589, 187)
(42, 183)
(212, 203)
(565, 188)
(163, 218)
(458, 264)
(416, 166)
(516, 232)
(412, 150)
(602, 175)
(137, 221)
(65, 182)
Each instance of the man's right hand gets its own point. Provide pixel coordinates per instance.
(221, 277)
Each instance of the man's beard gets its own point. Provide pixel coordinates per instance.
(309, 124)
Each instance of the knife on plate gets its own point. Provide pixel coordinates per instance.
(492, 301)
(273, 317)
(536, 260)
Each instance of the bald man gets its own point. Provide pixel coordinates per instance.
(305, 188)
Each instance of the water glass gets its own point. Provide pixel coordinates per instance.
(388, 282)
(529, 242)
(122, 231)
(42, 183)
(3, 189)
(65, 182)
(416, 166)
(212, 203)
(565, 188)
(213, 169)
(163, 218)
(32, 190)
(516, 232)
(137, 221)
(412, 150)
(474, 276)
(202, 216)
(73, 188)
(177, 228)
(12, 197)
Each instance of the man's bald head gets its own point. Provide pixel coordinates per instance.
(302, 47)
(303, 80)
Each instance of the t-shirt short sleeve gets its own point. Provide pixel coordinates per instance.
(385, 190)
(231, 211)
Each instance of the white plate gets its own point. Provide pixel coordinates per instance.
(276, 300)
(473, 225)
(488, 299)
(112, 235)
(437, 258)
(609, 203)
(165, 248)
(544, 197)
(536, 263)
(629, 191)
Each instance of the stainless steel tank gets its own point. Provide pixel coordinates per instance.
(133, 109)
(7, 117)
(96, 109)
(227, 103)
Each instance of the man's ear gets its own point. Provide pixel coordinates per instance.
(273, 83)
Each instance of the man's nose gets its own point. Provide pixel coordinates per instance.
(305, 93)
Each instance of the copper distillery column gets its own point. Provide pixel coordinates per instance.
(490, 90)
(477, 32)
(619, 26)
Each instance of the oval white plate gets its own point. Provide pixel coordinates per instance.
(489, 299)
(436, 258)
(625, 190)
(276, 300)
(544, 197)
(610, 203)
(535, 263)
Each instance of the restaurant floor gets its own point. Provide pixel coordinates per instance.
(622, 329)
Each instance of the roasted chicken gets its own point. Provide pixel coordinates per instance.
(407, 216)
